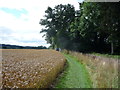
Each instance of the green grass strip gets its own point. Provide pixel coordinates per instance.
(74, 76)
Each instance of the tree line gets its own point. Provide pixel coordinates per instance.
(95, 27)
(7, 46)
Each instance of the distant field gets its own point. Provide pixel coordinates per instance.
(30, 68)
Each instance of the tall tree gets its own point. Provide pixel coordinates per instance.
(99, 25)
(93, 28)
(110, 23)
(57, 22)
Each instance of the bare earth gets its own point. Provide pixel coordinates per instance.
(25, 68)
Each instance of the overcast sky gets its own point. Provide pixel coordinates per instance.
(19, 20)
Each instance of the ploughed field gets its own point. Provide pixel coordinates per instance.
(26, 68)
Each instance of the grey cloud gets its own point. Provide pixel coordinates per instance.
(7, 36)
(5, 33)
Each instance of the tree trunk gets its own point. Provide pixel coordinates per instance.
(112, 48)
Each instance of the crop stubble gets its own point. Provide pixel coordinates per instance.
(30, 68)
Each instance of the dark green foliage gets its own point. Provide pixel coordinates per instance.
(57, 22)
(93, 28)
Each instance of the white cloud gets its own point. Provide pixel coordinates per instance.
(26, 27)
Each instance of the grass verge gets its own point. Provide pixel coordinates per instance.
(103, 71)
(75, 75)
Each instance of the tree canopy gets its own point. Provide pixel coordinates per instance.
(93, 28)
